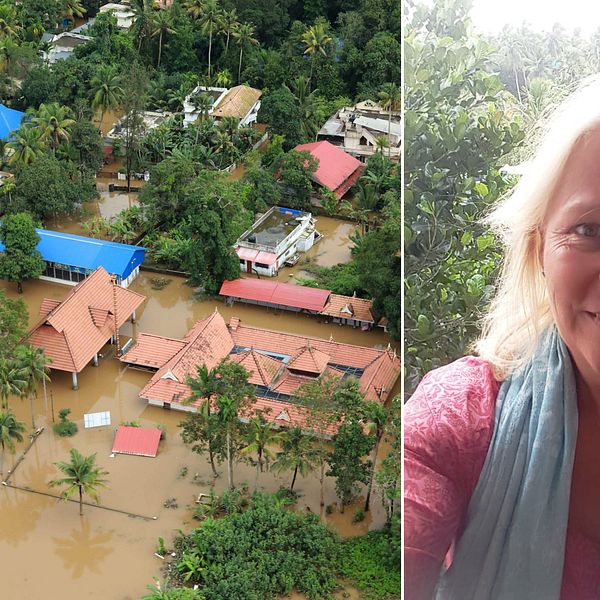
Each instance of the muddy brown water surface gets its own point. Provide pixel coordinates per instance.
(46, 548)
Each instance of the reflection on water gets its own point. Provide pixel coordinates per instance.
(106, 555)
(83, 550)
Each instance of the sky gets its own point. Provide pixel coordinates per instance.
(489, 16)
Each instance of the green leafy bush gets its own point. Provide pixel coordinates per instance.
(366, 561)
(65, 428)
(262, 552)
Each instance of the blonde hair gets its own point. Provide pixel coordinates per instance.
(520, 311)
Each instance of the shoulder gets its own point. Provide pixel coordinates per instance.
(450, 418)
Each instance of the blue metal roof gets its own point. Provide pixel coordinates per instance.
(10, 120)
(88, 253)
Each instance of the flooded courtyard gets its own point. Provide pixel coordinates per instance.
(47, 548)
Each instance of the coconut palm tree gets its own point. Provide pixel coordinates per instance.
(227, 418)
(316, 40)
(32, 365)
(258, 436)
(82, 475)
(9, 24)
(376, 417)
(297, 454)
(202, 103)
(244, 37)
(71, 9)
(106, 91)
(194, 8)
(12, 382)
(307, 102)
(54, 121)
(211, 15)
(161, 26)
(25, 146)
(142, 19)
(223, 78)
(389, 99)
(228, 24)
(10, 429)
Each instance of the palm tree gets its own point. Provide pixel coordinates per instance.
(244, 37)
(316, 40)
(376, 417)
(194, 8)
(297, 454)
(71, 9)
(12, 382)
(161, 25)
(223, 78)
(389, 97)
(54, 122)
(258, 436)
(211, 15)
(106, 91)
(10, 429)
(227, 417)
(32, 365)
(203, 103)
(228, 24)
(306, 100)
(142, 18)
(27, 144)
(82, 475)
(9, 25)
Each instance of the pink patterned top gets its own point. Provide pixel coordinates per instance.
(448, 425)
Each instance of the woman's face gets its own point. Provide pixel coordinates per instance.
(571, 255)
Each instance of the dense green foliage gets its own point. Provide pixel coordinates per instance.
(367, 560)
(259, 553)
(20, 259)
(457, 131)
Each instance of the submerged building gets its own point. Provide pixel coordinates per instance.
(276, 238)
(73, 331)
(71, 258)
(278, 363)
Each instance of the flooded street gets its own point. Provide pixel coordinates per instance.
(109, 555)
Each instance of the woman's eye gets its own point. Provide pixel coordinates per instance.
(588, 230)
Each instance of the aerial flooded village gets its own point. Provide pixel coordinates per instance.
(199, 299)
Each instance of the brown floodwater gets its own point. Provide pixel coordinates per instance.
(46, 547)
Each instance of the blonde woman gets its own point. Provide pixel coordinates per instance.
(502, 450)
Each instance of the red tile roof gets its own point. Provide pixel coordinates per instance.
(141, 441)
(262, 368)
(74, 330)
(379, 377)
(274, 292)
(290, 382)
(349, 307)
(337, 170)
(308, 359)
(287, 415)
(152, 350)
(248, 336)
(206, 343)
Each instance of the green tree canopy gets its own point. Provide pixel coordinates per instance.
(457, 132)
(20, 259)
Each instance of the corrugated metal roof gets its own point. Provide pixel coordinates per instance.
(274, 292)
(141, 441)
(88, 253)
(335, 165)
(10, 120)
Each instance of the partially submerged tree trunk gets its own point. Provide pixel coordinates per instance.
(19, 287)
(229, 461)
(80, 502)
(294, 479)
